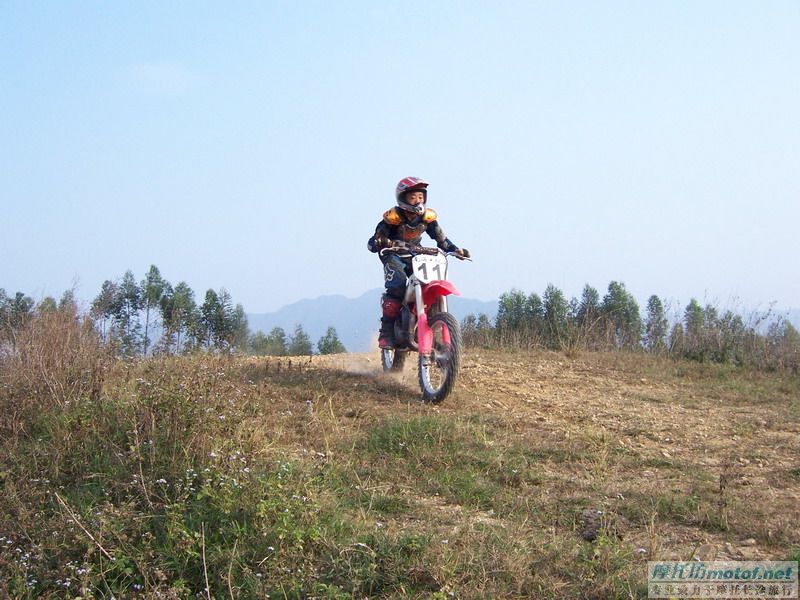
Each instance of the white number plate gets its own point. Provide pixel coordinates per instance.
(429, 268)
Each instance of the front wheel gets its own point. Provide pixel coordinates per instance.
(438, 372)
(393, 360)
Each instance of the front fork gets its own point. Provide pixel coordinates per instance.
(424, 332)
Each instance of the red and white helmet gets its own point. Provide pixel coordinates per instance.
(411, 184)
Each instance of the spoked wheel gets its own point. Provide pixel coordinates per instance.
(393, 360)
(438, 372)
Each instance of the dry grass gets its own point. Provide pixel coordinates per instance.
(541, 476)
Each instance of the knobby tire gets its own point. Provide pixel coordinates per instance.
(393, 360)
(438, 378)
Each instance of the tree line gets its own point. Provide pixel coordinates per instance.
(151, 316)
(614, 322)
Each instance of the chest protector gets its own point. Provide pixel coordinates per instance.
(408, 230)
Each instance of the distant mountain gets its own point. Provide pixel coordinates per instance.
(356, 319)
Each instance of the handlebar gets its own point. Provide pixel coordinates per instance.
(409, 250)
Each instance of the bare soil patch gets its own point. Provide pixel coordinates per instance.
(679, 460)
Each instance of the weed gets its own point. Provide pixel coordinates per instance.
(229, 477)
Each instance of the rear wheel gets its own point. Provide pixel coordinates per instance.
(393, 360)
(438, 372)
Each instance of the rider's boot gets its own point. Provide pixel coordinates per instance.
(391, 309)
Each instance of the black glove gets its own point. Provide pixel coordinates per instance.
(462, 252)
(380, 242)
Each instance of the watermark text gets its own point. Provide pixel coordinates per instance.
(722, 579)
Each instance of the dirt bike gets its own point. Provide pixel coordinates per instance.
(432, 332)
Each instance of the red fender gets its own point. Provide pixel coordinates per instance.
(430, 294)
(432, 291)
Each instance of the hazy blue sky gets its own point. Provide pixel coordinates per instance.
(254, 145)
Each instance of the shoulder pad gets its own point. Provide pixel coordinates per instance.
(392, 217)
(430, 215)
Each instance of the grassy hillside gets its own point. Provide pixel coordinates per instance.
(245, 478)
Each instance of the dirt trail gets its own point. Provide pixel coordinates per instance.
(635, 427)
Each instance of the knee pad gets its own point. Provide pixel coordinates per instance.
(391, 306)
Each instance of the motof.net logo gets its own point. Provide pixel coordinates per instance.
(722, 579)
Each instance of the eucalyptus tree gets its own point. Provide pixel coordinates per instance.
(153, 288)
(694, 326)
(621, 312)
(14, 313)
(125, 308)
(240, 328)
(656, 326)
(102, 308)
(179, 315)
(47, 305)
(556, 317)
(277, 342)
(301, 343)
(588, 315)
(511, 311)
(210, 316)
(330, 343)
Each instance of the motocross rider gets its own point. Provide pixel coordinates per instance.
(404, 224)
